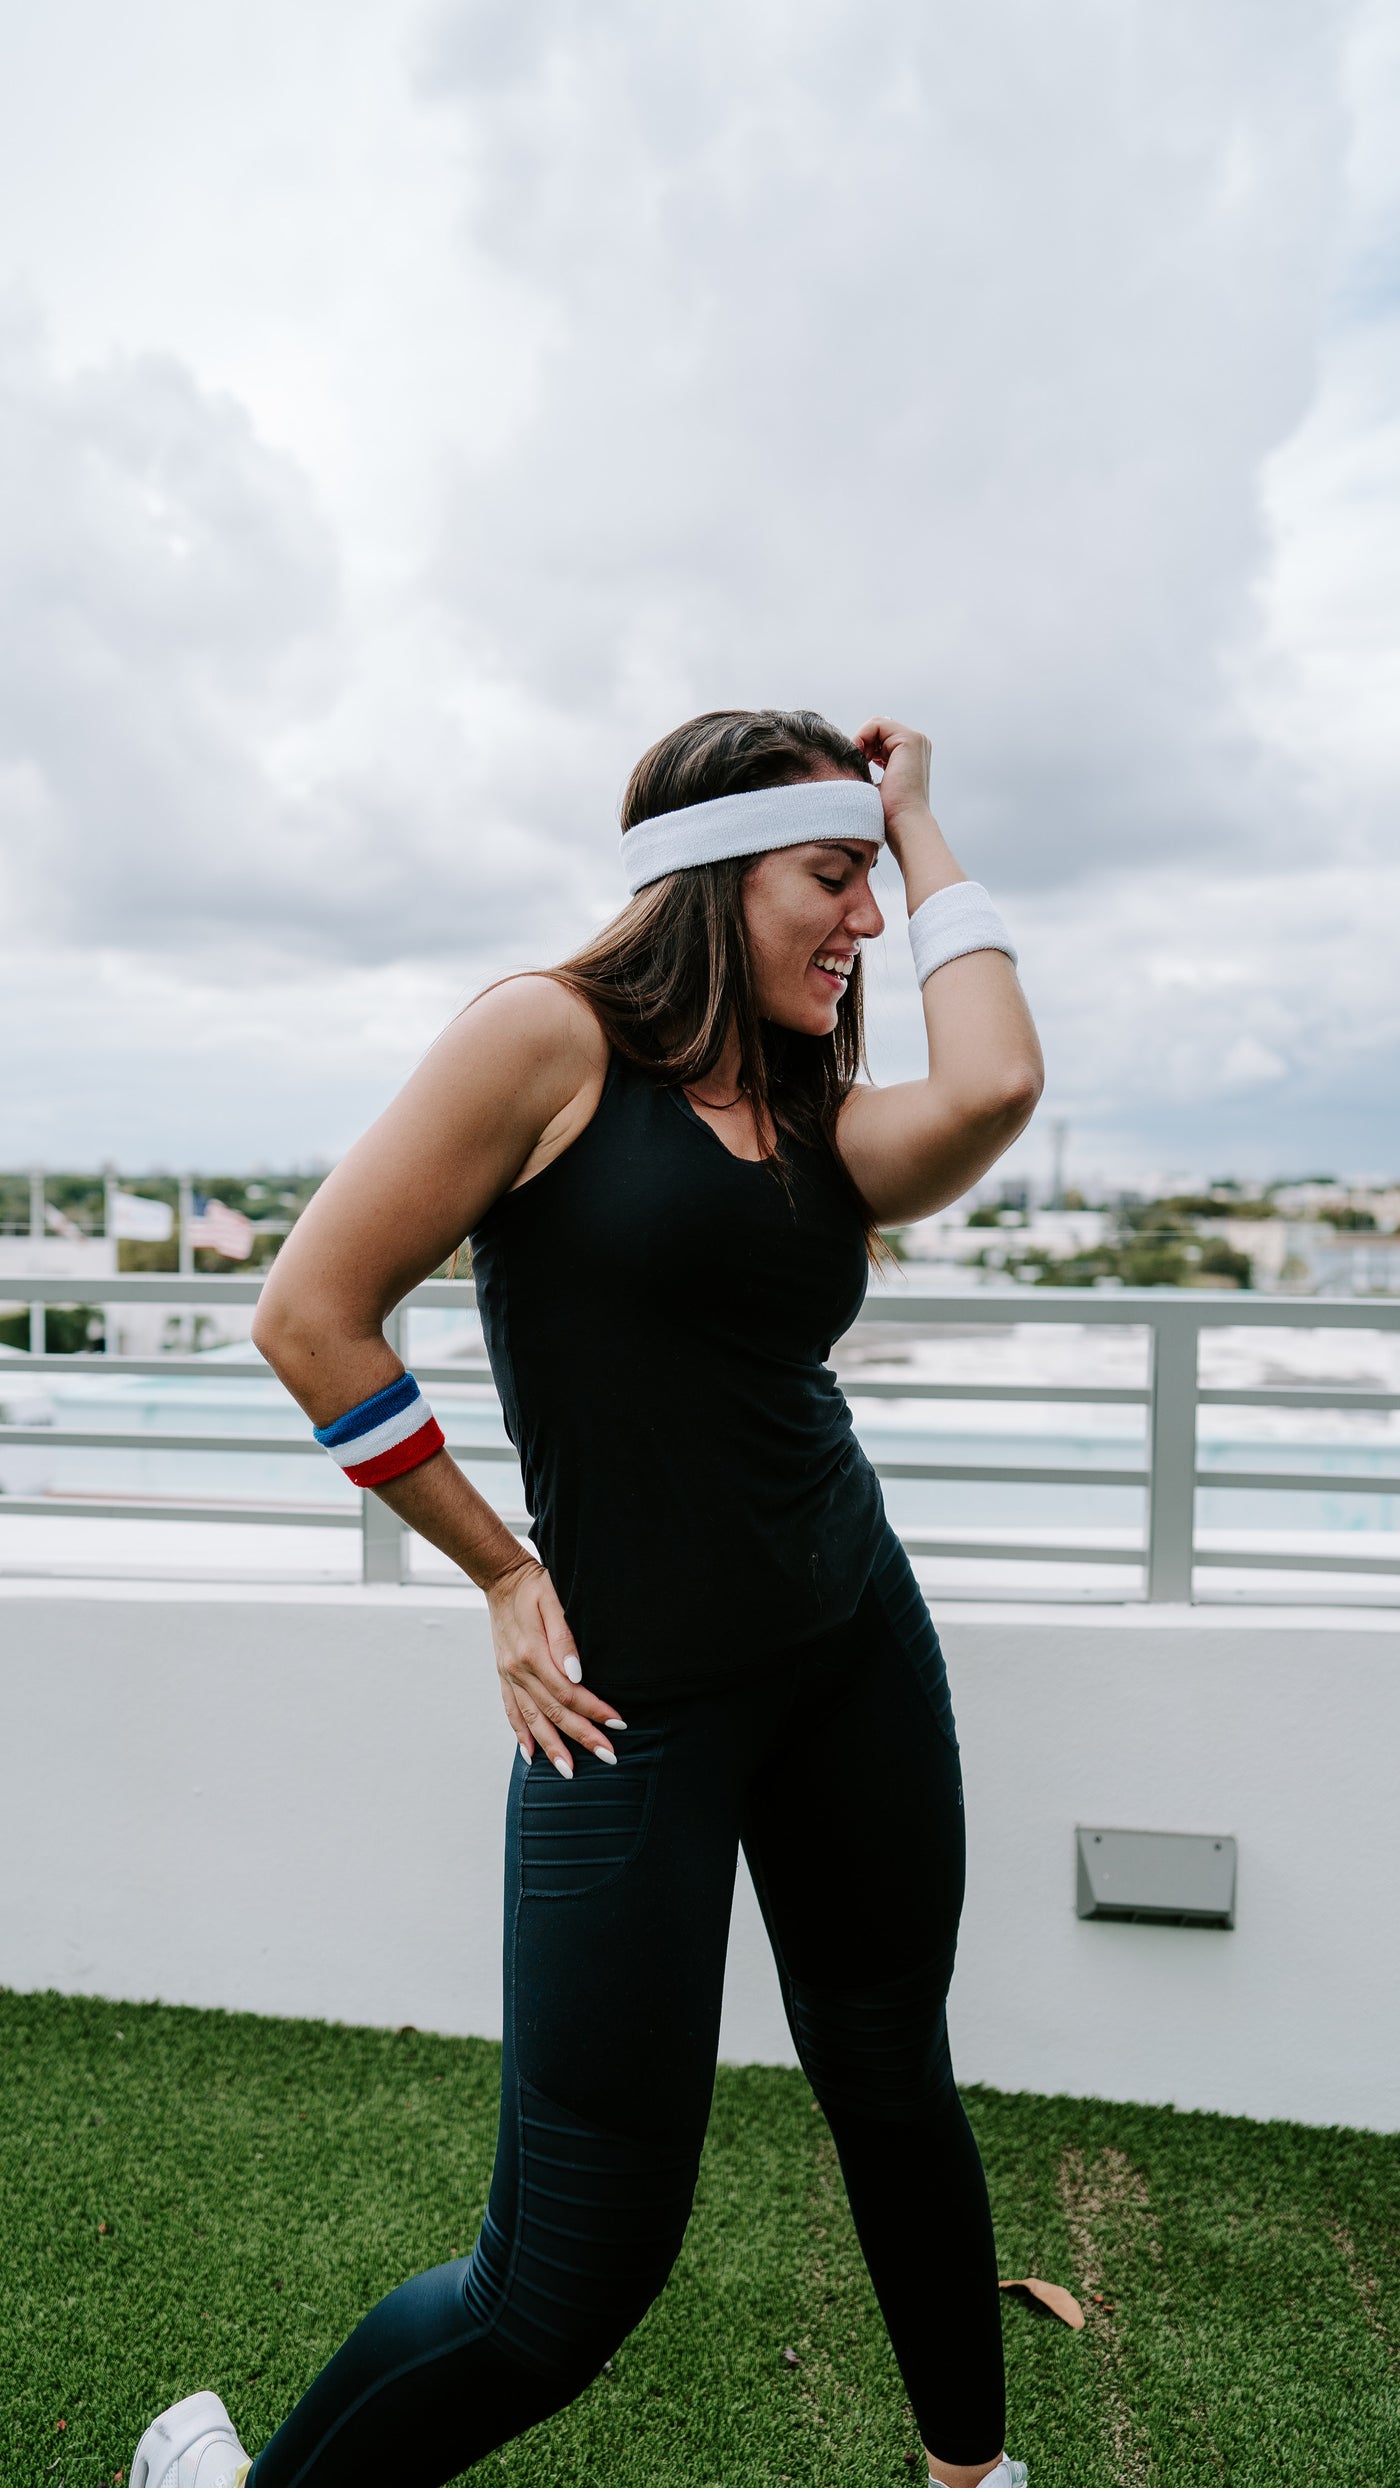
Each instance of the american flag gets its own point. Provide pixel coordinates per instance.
(220, 1229)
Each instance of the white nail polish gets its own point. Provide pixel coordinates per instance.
(525, 1753)
(603, 1755)
(564, 1769)
(572, 1670)
(614, 1723)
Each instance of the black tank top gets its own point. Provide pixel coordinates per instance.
(658, 1314)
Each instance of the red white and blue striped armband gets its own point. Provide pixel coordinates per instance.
(386, 1436)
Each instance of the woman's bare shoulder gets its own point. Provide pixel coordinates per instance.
(548, 1058)
(535, 1017)
(535, 1051)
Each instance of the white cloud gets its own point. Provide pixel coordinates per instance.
(195, 745)
(932, 374)
(255, 1066)
(1225, 1022)
(1248, 1064)
(167, 597)
(444, 400)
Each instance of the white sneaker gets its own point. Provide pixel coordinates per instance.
(1007, 2474)
(191, 2445)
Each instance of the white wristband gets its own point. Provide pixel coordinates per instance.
(952, 922)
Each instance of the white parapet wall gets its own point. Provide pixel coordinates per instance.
(289, 1801)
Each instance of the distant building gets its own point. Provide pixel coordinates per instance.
(1314, 1200)
(947, 1237)
(56, 1257)
(1306, 1257)
(1355, 1264)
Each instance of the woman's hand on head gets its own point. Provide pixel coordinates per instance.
(539, 1669)
(903, 754)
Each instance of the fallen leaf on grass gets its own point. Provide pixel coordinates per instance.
(792, 2358)
(1049, 2294)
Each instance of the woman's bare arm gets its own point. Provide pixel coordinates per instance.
(505, 1076)
(506, 1087)
(918, 1144)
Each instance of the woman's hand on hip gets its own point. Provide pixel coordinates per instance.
(540, 1670)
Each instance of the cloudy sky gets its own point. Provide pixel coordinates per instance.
(409, 408)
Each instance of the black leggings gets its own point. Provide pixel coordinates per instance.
(836, 1767)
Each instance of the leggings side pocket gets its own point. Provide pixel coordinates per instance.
(576, 1835)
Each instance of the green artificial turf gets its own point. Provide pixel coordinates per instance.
(205, 2199)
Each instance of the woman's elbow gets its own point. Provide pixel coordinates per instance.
(1025, 1088)
(307, 1331)
(1011, 1102)
(268, 1333)
(283, 1335)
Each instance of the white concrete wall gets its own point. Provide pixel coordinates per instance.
(290, 1801)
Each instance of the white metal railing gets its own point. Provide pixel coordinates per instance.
(1174, 1319)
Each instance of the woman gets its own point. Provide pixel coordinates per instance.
(672, 1180)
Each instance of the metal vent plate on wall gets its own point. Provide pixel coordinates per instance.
(1170, 1878)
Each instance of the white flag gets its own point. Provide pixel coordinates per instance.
(141, 1221)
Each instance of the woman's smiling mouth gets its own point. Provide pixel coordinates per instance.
(835, 966)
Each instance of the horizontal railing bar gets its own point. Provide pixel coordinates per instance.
(251, 1369)
(167, 1287)
(101, 1438)
(1245, 1559)
(136, 1507)
(1306, 1482)
(1008, 1550)
(86, 1361)
(855, 1386)
(1132, 1308)
(1310, 1398)
(151, 1507)
(146, 1287)
(475, 1373)
(1006, 1472)
(916, 1542)
(995, 1308)
(991, 1472)
(297, 1446)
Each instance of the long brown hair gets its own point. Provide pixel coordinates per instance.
(670, 975)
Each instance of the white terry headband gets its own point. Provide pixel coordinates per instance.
(729, 825)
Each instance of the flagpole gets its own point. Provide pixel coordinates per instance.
(111, 1339)
(37, 1338)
